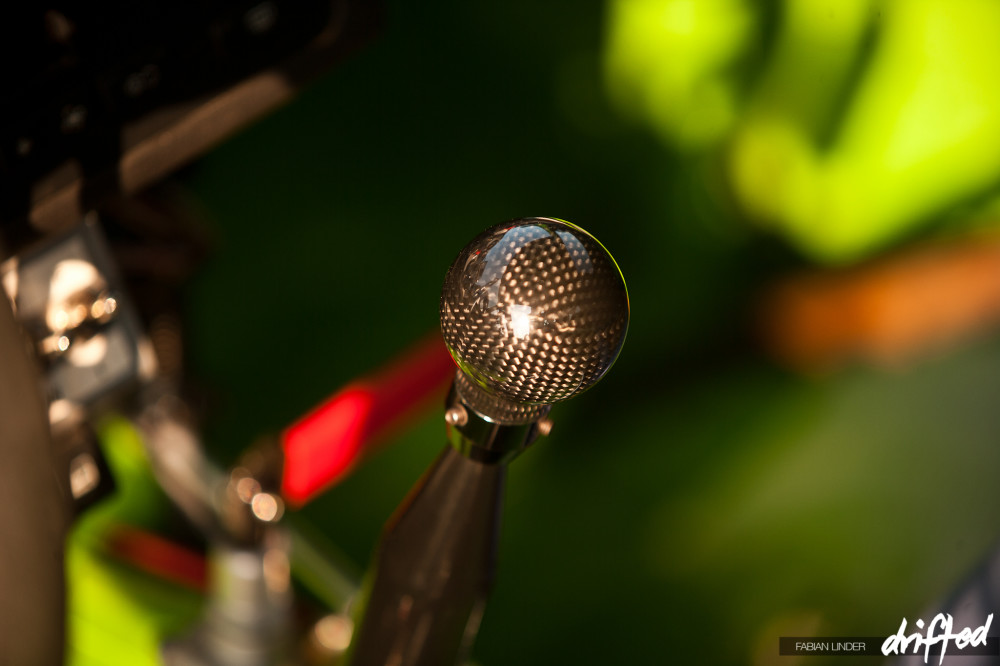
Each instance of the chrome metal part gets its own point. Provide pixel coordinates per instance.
(178, 460)
(247, 619)
(434, 568)
(456, 415)
(486, 441)
(67, 296)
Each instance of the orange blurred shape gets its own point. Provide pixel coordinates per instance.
(324, 445)
(888, 311)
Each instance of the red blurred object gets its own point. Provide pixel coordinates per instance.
(157, 556)
(323, 446)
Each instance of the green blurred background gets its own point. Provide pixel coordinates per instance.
(703, 499)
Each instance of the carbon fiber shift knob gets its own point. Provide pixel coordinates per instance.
(534, 311)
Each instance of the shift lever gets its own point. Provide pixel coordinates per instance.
(533, 311)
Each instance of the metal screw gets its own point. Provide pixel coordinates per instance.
(456, 416)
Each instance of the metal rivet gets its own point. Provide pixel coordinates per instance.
(456, 416)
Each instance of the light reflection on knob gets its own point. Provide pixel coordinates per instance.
(534, 311)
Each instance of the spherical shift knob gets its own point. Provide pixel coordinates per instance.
(534, 311)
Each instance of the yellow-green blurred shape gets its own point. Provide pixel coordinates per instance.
(811, 61)
(117, 615)
(918, 135)
(665, 63)
(773, 160)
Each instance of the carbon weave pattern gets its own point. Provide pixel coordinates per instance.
(534, 310)
(494, 407)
